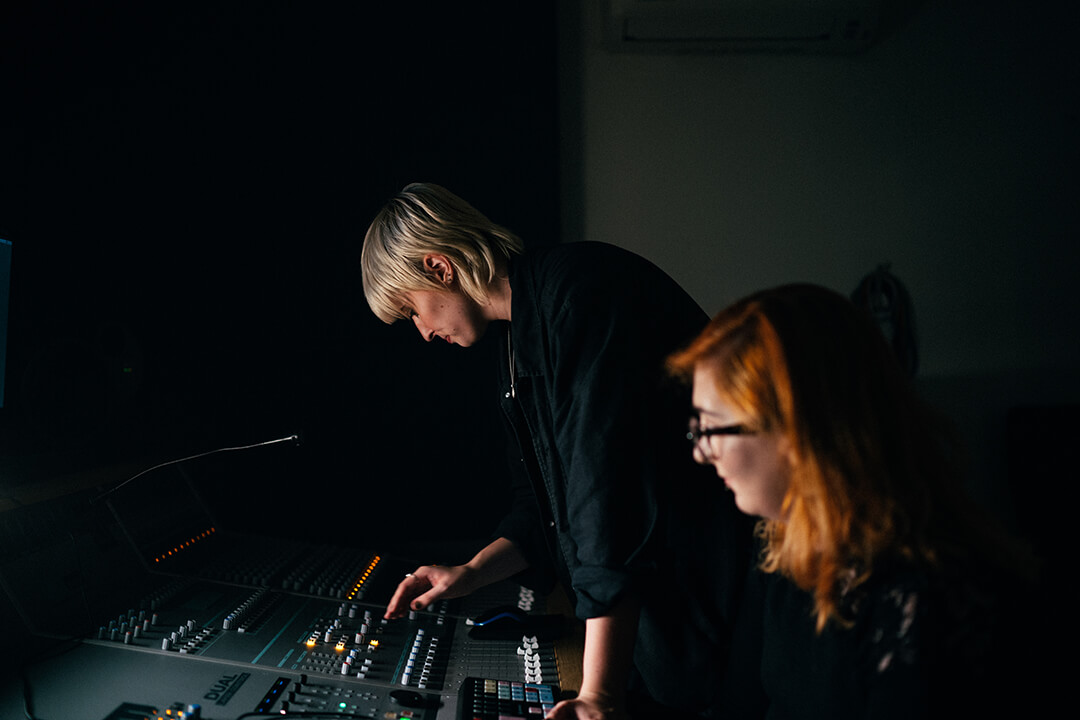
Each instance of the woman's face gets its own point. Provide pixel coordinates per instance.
(447, 314)
(755, 467)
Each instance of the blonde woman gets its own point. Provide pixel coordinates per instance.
(585, 329)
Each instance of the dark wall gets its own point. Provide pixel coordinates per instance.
(187, 188)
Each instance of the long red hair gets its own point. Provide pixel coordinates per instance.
(872, 471)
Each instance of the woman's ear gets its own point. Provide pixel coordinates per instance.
(787, 451)
(439, 266)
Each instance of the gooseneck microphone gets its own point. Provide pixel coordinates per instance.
(291, 438)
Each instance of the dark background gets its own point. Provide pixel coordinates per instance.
(187, 187)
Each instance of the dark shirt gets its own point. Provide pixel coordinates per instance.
(609, 500)
(918, 645)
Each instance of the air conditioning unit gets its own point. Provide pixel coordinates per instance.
(826, 26)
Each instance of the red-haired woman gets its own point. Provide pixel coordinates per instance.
(878, 580)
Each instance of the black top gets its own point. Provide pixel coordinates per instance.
(919, 645)
(610, 499)
(595, 416)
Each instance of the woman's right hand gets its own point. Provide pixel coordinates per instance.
(429, 583)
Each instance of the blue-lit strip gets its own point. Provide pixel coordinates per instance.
(283, 628)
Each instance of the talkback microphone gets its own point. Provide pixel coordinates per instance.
(294, 438)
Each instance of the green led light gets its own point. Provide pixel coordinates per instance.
(342, 705)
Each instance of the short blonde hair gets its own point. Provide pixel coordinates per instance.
(422, 219)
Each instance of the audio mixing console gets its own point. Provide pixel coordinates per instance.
(144, 618)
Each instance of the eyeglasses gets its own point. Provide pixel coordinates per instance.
(703, 451)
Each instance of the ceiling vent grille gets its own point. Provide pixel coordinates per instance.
(825, 26)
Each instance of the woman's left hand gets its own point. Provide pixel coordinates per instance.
(585, 707)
